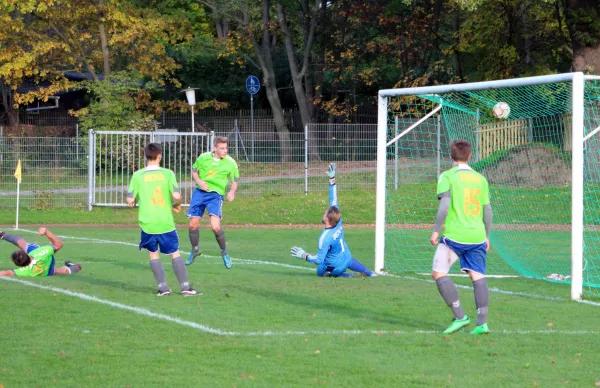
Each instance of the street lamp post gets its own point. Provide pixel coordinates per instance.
(190, 94)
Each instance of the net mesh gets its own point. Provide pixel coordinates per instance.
(527, 161)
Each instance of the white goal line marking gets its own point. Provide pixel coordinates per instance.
(492, 289)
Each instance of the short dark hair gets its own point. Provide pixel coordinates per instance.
(221, 139)
(460, 150)
(152, 151)
(20, 258)
(333, 215)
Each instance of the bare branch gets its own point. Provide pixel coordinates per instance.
(216, 8)
(77, 52)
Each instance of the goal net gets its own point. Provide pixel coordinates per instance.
(542, 163)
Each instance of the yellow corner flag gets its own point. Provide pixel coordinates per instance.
(18, 171)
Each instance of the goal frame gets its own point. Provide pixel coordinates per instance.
(577, 80)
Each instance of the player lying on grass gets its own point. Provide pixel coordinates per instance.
(333, 256)
(35, 260)
(466, 214)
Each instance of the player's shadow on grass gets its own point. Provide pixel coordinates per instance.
(92, 279)
(398, 320)
(123, 264)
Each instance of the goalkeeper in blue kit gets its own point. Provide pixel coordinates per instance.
(333, 256)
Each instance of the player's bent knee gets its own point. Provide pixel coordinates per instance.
(436, 275)
(475, 275)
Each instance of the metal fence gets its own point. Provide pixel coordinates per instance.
(56, 172)
(115, 155)
(296, 163)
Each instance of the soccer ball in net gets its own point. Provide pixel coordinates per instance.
(501, 110)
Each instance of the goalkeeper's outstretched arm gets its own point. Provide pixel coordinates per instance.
(301, 254)
(333, 200)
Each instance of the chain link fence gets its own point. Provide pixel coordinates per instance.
(54, 172)
(55, 169)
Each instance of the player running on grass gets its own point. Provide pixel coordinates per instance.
(211, 172)
(466, 214)
(35, 260)
(157, 192)
(333, 256)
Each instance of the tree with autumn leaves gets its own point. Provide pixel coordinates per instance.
(116, 43)
(328, 56)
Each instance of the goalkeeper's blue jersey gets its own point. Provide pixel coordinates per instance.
(333, 250)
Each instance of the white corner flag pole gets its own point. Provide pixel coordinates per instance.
(18, 176)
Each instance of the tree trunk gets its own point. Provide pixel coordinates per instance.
(580, 16)
(10, 113)
(278, 117)
(265, 59)
(222, 28)
(299, 75)
(103, 39)
(456, 59)
(527, 58)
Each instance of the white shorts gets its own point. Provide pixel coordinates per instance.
(443, 259)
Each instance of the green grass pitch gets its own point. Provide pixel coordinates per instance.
(269, 321)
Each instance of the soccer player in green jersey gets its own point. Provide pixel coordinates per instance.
(35, 260)
(157, 192)
(211, 172)
(466, 215)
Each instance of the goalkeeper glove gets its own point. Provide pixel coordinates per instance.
(299, 253)
(331, 173)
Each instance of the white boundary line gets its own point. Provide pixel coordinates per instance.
(493, 289)
(121, 306)
(210, 330)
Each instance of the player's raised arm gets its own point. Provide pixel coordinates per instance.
(57, 243)
(333, 200)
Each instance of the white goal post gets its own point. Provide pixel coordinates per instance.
(385, 140)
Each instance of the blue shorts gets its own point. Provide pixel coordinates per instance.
(51, 269)
(167, 242)
(472, 256)
(32, 246)
(209, 200)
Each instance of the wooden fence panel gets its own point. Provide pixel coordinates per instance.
(500, 136)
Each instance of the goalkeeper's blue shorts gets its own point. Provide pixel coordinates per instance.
(209, 200)
(472, 256)
(333, 271)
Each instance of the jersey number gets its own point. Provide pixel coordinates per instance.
(342, 245)
(472, 204)
(38, 268)
(157, 197)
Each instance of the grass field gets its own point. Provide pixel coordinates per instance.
(269, 321)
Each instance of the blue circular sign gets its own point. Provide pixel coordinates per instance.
(252, 85)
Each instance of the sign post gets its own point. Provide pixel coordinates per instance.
(252, 86)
